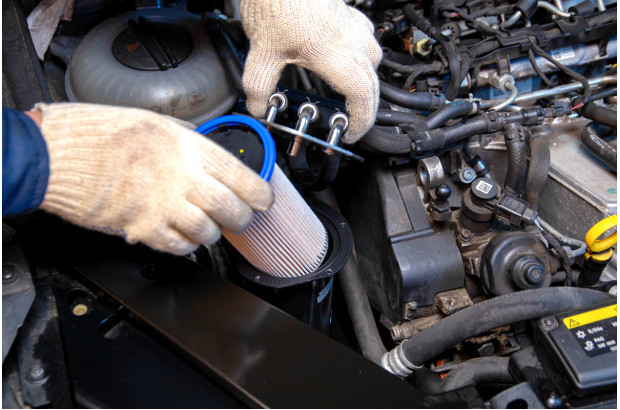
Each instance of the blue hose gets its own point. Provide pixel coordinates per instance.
(269, 161)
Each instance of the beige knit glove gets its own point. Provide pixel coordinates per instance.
(328, 37)
(141, 175)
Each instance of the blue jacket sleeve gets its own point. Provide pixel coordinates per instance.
(25, 164)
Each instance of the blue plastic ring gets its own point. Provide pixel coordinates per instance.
(269, 161)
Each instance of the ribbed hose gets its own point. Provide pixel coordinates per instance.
(468, 129)
(309, 179)
(483, 317)
(387, 140)
(389, 117)
(600, 114)
(415, 100)
(538, 170)
(447, 112)
(591, 138)
(478, 371)
(517, 159)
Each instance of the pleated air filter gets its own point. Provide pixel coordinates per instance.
(287, 241)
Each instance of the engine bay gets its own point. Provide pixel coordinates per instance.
(466, 243)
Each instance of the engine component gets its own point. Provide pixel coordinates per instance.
(584, 344)
(514, 261)
(404, 260)
(164, 62)
(525, 305)
(288, 241)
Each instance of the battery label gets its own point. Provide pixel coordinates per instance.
(592, 316)
(595, 331)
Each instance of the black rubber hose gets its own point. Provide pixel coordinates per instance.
(226, 54)
(540, 160)
(415, 100)
(591, 138)
(435, 34)
(447, 112)
(387, 140)
(499, 311)
(389, 117)
(315, 181)
(474, 126)
(600, 114)
(364, 325)
(514, 135)
(478, 371)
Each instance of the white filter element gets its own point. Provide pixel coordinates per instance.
(288, 241)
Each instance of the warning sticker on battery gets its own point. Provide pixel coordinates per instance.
(592, 316)
(595, 331)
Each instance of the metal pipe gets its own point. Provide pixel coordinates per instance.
(511, 21)
(514, 92)
(553, 92)
(601, 5)
(552, 9)
(576, 55)
(559, 5)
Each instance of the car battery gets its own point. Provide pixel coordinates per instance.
(583, 344)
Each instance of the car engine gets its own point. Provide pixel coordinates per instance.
(461, 254)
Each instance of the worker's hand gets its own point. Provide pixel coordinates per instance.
(333, 40)
(144, 176)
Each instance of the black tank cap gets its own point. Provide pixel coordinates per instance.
(152, 46)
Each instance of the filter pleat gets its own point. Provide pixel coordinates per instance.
(288, 240)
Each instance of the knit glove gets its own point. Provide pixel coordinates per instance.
(144, 176)
(328, 37)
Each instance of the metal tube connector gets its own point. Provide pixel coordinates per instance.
(277, 102)
(308, 113)
(338, 124)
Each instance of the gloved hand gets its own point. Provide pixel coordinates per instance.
(144, 176)
(333, 40)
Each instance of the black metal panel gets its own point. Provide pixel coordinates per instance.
(261, 354)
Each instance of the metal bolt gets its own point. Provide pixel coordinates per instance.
(330, 271)
(553, 401)
(8, 272)
(36, 375)
(534, 274)
(80, 309)
(549, 323)
(257, 277)
(465, 235)
(343, 225)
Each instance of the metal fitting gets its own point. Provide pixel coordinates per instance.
(423, 47)
(430, 173)
(277, 102)
(396, 363)
(467, 174)
(338, 124)
(500, 81)
(308, 113)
